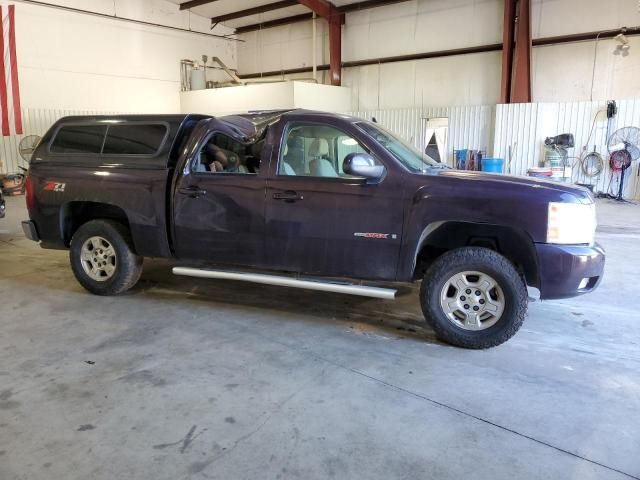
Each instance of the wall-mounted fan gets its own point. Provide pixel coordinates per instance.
(624, 149)
(27, 146)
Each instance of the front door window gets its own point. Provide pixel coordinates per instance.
(314, 150)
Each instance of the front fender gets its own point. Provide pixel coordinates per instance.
(429, 211)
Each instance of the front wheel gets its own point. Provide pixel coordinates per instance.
(102, 258)
(473, 297)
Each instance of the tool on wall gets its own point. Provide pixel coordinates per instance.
(592, 164)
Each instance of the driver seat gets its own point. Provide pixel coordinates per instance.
(320, 166)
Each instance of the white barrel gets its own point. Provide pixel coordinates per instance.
(197, 79)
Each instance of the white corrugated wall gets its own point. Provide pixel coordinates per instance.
(520, 130)
(469, 126)
(35, 122)
(494, 129)
(516, 132)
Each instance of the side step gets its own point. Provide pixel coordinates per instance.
(375, 292)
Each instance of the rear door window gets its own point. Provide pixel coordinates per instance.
(79, 139)
(134, 139)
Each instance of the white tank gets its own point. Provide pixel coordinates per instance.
(197, 79)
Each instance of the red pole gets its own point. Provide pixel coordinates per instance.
(331, 14)
(15, 83)
(3, 82)
(335, 49)
(521, 83)
(507, 50)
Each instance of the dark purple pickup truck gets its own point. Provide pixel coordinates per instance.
(311, 200)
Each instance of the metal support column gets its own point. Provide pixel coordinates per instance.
(516, 52)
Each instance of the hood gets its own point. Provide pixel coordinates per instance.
(509, 182)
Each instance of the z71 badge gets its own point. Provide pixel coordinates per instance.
(54, 187)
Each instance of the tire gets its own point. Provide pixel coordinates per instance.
(451, 311)
(120, 271)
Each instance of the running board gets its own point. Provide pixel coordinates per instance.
(375, 292)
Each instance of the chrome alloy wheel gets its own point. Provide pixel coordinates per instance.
(472, 300)
(98, 259)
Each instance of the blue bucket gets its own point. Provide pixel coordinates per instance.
(493, 165)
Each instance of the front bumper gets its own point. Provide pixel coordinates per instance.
(569, 270)
(30, 230)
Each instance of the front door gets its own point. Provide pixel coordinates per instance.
(219, 202)
(321, 221)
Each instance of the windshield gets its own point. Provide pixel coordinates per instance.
(405, 153)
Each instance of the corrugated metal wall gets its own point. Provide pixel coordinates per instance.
(520, 130)
(494, 129)
(516, 133)
(469, 126)
(35, 122)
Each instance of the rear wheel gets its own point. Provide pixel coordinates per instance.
(102, 258)
(474, 298)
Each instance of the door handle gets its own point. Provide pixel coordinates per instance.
(288, 196)
(192, 192)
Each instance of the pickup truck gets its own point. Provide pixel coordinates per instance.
(311, 200)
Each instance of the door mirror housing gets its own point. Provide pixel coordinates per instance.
(362, 165)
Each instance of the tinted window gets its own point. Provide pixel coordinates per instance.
(134, 139)
(79, 139)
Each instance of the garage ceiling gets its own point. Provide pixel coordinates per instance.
(218, 8)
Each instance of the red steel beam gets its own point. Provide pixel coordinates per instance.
(335, 51)
(350, 8)
(321, 7)
(495, 47)
(254, 11)
(521, 80)
(335, 17)
(507, 50)
(194, 3)
(278, 22)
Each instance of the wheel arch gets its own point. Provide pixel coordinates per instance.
(442, 236)
(74, 214)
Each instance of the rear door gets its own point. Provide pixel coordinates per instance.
(218, 208)
(321, 221)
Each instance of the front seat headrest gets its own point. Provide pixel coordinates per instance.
(319, 148)
(295, 142)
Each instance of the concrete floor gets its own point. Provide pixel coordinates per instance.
(184, 378)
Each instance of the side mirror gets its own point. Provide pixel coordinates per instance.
(362, 165)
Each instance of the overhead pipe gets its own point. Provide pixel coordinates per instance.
(329, 12)
(313, 46)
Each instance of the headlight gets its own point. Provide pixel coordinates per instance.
(571, 223)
